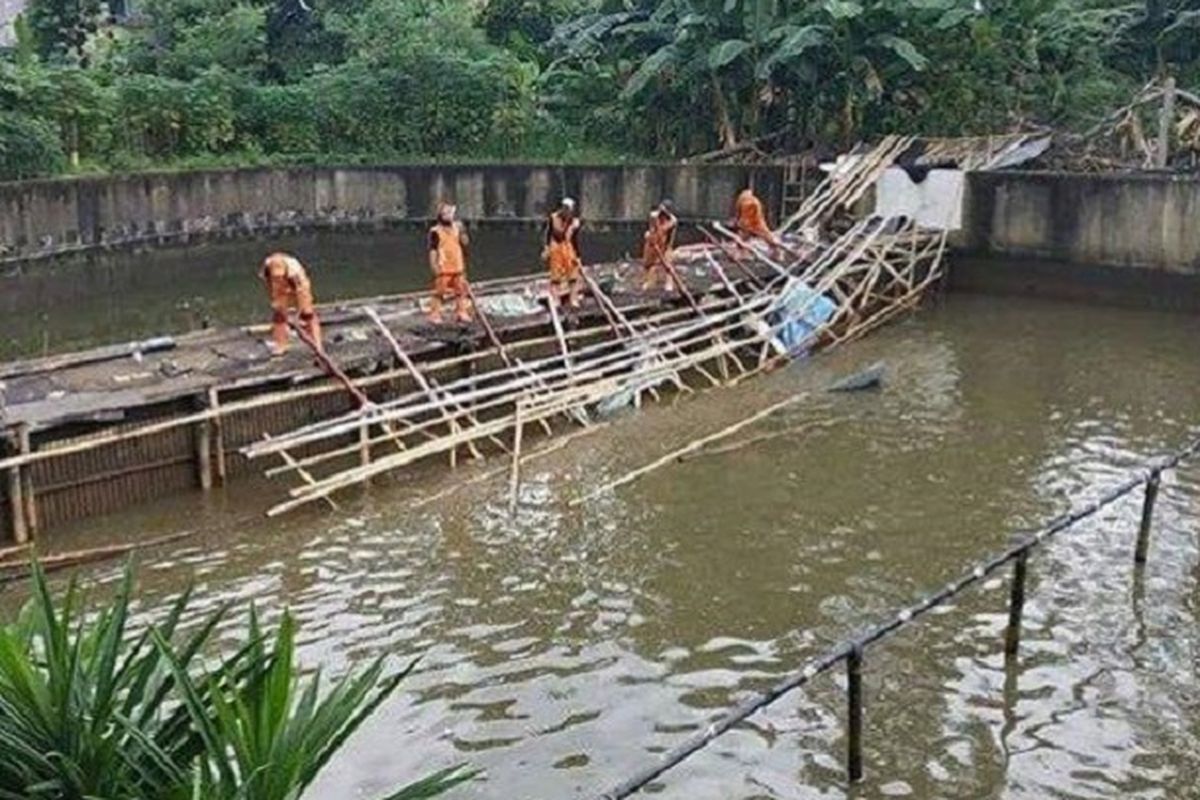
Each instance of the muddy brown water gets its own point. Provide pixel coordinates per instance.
(563, 648)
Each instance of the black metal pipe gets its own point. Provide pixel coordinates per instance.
(852, 651)
(1142, 550)
(1016, 605)
(854, 721)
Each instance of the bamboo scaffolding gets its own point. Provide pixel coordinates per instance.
(510, 380)
(876, 270)
(487, 399)
(607, 370)
(618, 361)
(417, 377)
(557, 404)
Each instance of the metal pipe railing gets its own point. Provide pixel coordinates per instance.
(852, 650)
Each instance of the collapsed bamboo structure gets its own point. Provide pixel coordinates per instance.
(88, 433)
(787, 299)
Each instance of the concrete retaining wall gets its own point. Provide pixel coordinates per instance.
(1150, 221)
(1130, 239)
(53, 217)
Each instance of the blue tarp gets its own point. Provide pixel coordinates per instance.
(801, 312)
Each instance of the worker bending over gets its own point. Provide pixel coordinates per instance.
(658, 246)
(447, 259)
(561, 252)
(750, 220)
(288, 287)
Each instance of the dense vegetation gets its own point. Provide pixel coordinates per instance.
(182, 82)
(90, 708)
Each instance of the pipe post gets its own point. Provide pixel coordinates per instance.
(1016, 606)
(1143, 540)
(854, 699)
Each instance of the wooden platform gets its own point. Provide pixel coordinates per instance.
(94, 431)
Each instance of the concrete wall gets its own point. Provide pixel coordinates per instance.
(52, 217)
(1126, 239)
(1147, 221)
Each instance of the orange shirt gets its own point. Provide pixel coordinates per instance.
(750, 215)
(660, 237)
(451, 255)
(285, 275)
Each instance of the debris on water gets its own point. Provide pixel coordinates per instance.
(869, 378)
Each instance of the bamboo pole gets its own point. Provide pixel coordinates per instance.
(16, 570)
(556, 322)
(218, 423)
(753, 440)
(692, 446)
(202, 447)
(16, 503)
(28, 495)
(304, 474)
(417, 377)
(553, 446)
(514, 482)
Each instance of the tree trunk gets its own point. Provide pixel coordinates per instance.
(725, 129)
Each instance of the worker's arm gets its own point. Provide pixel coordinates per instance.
(462, 234)
(573, 236)
(433, 252)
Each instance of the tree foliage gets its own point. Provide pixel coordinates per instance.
(371, 80)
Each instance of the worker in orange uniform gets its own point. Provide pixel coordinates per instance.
(750, 220)
(289, 287)
(561, 252)
(448, 242)
(657, 247)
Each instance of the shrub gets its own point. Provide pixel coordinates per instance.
(29, 147)
(90, 710)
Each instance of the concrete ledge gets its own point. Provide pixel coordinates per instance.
(1149, 221)
(50, 218)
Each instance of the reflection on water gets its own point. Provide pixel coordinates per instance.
(567, 647)
(56, 307)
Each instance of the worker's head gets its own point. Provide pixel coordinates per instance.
(567, 206)
(446, 212)
(667, 206)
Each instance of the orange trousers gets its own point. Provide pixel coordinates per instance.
(448, 285)
(301, 299)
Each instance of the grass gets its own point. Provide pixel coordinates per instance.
(89, 710)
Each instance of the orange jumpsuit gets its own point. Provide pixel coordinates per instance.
(751, 219)
(562, 248)
(657, 247)
(289, 287)
(450, 281)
